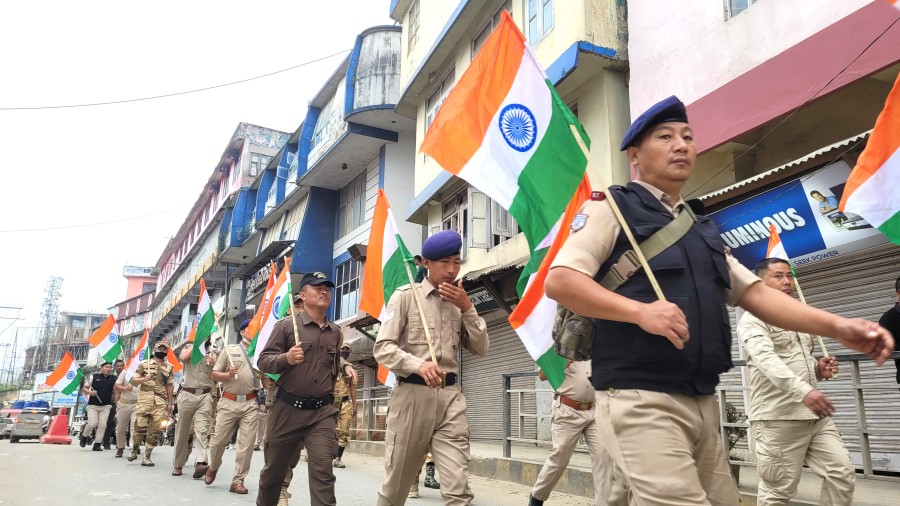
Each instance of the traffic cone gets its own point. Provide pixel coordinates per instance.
(59, 430)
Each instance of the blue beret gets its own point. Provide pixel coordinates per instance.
(442, 245)
(664, 111)
(245, 324)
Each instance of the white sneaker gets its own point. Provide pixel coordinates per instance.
(414, 491)
(283, 497)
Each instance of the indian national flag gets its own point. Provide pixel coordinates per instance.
(256, 322)
(386, 376)
(895, 3)
(141, 353)
(776, 247)
(388, 262)
(873, 188)
(67, 376)
(106, 340)
(278, 305)
(505, 130)
(173, 360)
(206, 320)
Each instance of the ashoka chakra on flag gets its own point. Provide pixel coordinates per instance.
(518, 126)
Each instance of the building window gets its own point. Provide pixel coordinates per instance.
(540, 19)
(258, 162)
(346, 289)
(352, 200)
(148, 287)
(735, 7)
(412, 27)
(437, 97)
(455, 216)
(489, 26)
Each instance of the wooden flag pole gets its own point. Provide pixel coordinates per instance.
(834, 375)
(596, 180)
(294, 319)
(418, 298)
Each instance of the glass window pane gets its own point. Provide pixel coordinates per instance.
(548, 16)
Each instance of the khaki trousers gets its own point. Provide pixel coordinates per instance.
(343, 423)
(567, 425)
(96, 419)
(421, 416)
(667, 446)
(147, 425)
(193, 410)
(289, 430)
(231, 416)
(125, 416)
(783, 446)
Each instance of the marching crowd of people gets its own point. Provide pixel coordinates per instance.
(645, 402)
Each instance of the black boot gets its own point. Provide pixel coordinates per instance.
(82, 441)
(340, 452)
(97, 447)
(429, 481)
(535, 502)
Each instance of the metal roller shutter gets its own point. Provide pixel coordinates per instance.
(482, 382)
(857, 285)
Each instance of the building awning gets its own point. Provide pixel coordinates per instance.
(493, 269)
(268, 253)
(771, 175)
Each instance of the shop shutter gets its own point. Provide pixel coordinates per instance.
(482, 382)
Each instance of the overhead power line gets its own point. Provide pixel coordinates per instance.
(61, 227)
(169, 95)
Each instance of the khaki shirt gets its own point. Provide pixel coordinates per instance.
(154, 390)
(589, 247)
(314, 377)
(197, 375)
(577, 384)
(245, 381)
(782, 370)
(401, 345)
(127, 397)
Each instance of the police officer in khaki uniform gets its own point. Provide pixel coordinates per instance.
(126, 402)
(655, 364)
(155, 379)
(237, 411)
(790, 418)
(194, 409)
(304, 412)
(345, 400)
(427, 406)
(573, 417)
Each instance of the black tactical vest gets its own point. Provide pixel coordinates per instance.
(694, 275)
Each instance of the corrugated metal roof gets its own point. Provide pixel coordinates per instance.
(819, 152)
(515, 264)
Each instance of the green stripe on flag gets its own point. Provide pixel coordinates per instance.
(75, 384)
(891, 228)
(394, 272)
(550, 176)
(553, 366)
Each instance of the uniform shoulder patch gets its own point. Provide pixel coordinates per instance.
(579, 221)
(598, 195)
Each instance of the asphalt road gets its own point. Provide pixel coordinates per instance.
(33, 473)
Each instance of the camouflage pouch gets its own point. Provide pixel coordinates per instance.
(573, 335)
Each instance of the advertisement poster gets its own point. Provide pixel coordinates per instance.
(804, 211)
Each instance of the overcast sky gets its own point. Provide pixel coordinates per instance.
(146, 160)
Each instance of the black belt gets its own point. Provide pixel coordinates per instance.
(418, 380)
(196, 391)
(303, 403)
(345, 399)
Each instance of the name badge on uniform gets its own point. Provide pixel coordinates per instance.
(579, 221)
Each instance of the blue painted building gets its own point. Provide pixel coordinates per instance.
(315, 200)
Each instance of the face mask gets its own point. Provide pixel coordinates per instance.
(160, 354)
(345, 355)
